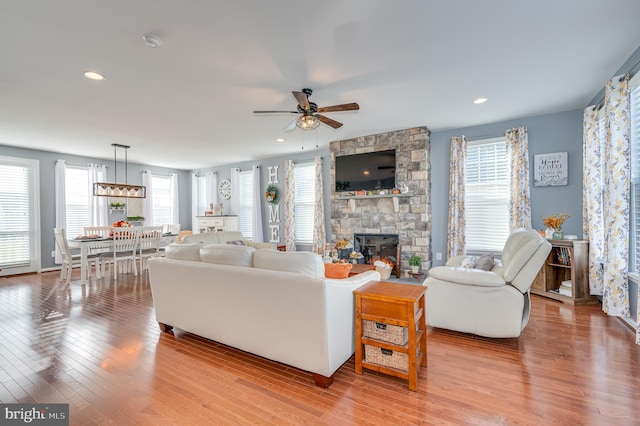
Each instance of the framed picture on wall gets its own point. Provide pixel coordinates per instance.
(550, 169)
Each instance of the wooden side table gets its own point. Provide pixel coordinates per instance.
(417, 275)
(398, 305)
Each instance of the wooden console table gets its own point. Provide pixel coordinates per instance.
(399, 305)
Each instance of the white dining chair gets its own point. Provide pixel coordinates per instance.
(124, 248)
(69, 260)
(172, 229)
(149, 244)
(102, 231)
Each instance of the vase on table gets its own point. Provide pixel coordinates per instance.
(548, 233)
(558, 234)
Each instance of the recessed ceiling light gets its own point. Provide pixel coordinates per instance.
(279, 140)
(480, 101)
(91, 75)
(152, 40)
(366, 172)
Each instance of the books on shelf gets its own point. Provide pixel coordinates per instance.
(564, 289)
(562, 255)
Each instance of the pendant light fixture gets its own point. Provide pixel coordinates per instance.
(103, 189)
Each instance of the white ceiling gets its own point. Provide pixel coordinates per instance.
(188, 103)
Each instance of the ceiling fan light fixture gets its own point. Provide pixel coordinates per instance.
(307, 122)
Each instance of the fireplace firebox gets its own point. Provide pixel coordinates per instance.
(378, 246)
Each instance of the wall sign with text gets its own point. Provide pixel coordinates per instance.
(550, 169)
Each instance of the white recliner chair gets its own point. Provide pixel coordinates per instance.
(491, 303)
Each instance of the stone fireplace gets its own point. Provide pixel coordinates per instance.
(407, 215)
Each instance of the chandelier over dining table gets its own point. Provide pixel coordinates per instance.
(104, 189)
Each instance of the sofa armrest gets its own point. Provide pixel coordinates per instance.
(467, 276)
(361, 279)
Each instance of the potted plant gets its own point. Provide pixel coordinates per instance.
(415, 262)
(136, 220)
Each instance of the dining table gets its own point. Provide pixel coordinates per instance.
(87, 244)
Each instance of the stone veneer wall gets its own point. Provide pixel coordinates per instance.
(412, 221)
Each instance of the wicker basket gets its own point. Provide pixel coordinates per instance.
(385, 273)
(386, 357)
(385, 332)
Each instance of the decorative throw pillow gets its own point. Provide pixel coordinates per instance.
(469, 262)
(236, 243)
(337, 270)
(484, 262)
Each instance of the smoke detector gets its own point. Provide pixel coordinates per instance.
(152, 40)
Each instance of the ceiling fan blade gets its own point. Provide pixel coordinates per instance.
(290, 126)
(343, 107)
(276, 112)
(329, 122)
(302, 99)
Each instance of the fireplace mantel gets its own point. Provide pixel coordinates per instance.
(352, 199)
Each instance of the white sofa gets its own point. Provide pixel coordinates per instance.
(222, 237)
(274, 304)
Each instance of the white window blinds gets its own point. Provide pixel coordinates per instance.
(245, 215)
(634, 222)
(18, 210)
(486, 195)
(77, 198)
(304, 177)
(161, 200)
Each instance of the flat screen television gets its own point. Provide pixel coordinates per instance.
(368, 171)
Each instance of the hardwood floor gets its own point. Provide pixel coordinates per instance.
(99, 348)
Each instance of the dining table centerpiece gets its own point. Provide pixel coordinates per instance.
(120, 224)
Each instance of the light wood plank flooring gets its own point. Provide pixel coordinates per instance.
(98, 348)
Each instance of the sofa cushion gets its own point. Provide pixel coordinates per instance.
(183, 251)
(302, 262)
(337, 270)
(236, 243)
(226, 254)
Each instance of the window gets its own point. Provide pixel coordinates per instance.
(634, 222)
(19, 211)
(304, 178)
(77, 200)
(200, 204)
(245, 195)
(161, 200)
(486, 195)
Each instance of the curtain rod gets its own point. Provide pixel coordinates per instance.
(628, 74)
(84, 165)
(479, 138)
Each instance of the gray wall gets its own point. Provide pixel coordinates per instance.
(47, 191)
(547, 133)
(304, 155)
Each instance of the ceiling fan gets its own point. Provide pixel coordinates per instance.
(310, 118)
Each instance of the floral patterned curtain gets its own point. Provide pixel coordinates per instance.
(289, 206)
(519, 193)
(592, 197)
(611, 229)
(457, 226)
(319, 237)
